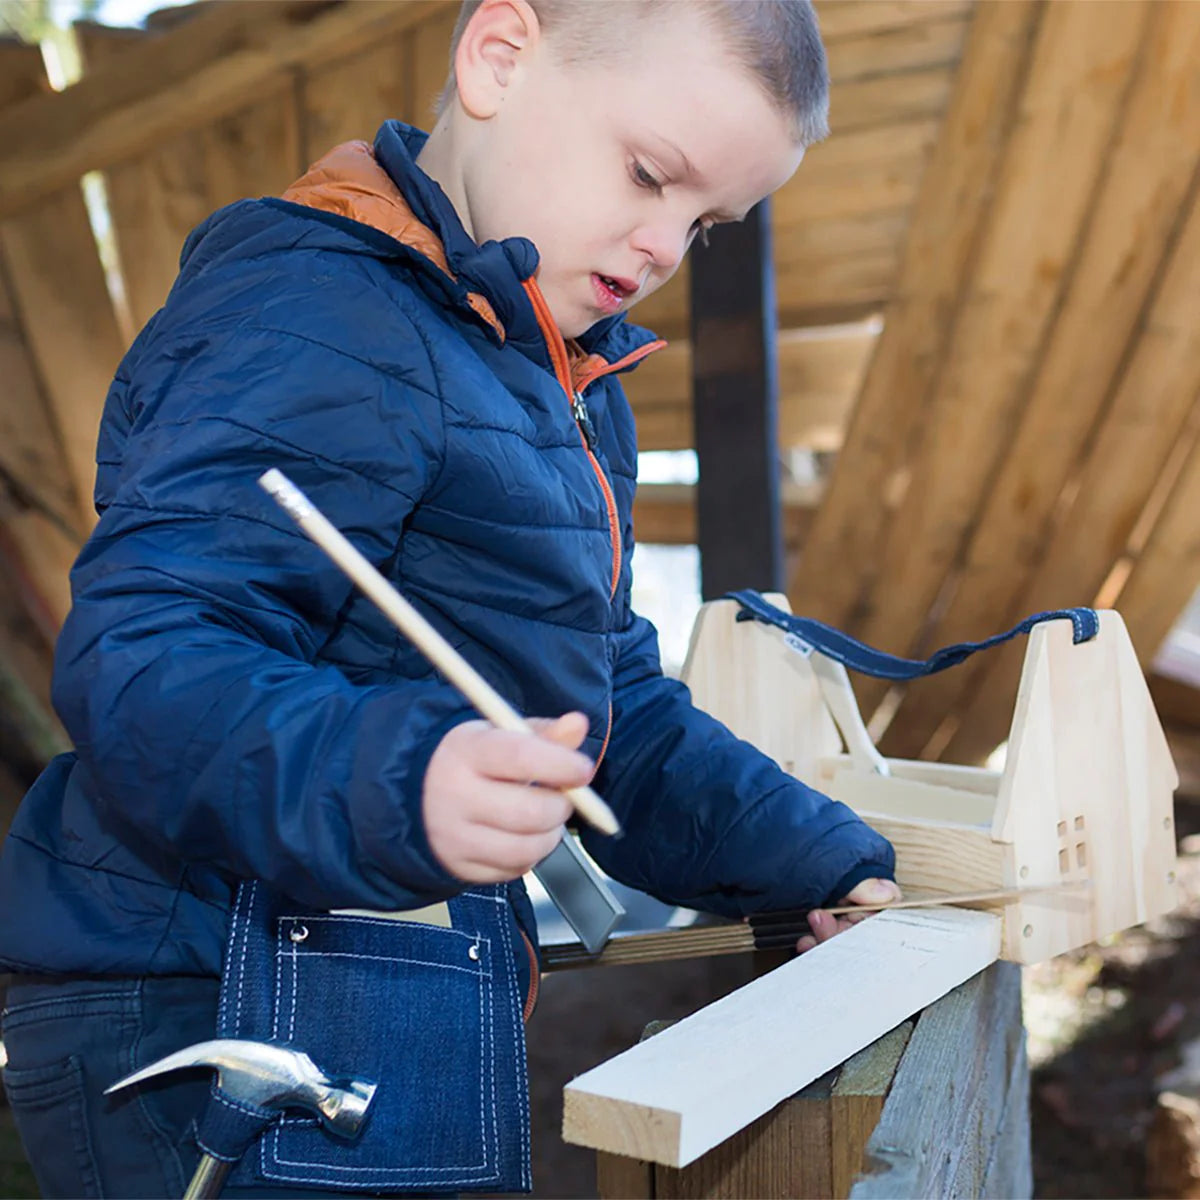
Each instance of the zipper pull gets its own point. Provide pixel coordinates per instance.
(579, 410)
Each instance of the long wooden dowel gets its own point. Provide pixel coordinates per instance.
(477, 690)
(1005, 895)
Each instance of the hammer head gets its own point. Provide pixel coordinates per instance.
(270, 1075)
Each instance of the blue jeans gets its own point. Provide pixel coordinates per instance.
(67, 1040)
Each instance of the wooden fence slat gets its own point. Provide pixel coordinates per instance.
(845, 543)
(1076, 91)
(1152, 404)
(431, 41)
(664, 514)
(192, 75)
(1151, 166)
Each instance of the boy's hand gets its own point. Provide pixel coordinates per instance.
(824, 925)
(488, 801)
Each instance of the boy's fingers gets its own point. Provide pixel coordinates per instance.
(568, 730)
(518, 808)
(520, 758)
(874, 891)
(510, 854)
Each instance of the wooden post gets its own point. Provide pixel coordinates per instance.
(935, 1108)
(735, 399)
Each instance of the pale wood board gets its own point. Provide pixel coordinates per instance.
(745, 676)
(1141, 427)
(953, 1094)
(844, 546)
(677, 1095)
(224, 54)
(891, 98)
(1149, 171)
(1075, 94)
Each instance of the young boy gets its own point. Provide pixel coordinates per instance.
(425, 336)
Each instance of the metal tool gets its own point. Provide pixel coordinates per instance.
(267, 1076)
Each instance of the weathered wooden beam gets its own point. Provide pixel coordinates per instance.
(1147, 418)
(185, 78)
(956, 1122)
(841, 19)
(1077, 87)
(735, 398)
(819, 374)
(1149, 175)
(678, 1094)
(664, 514)
(1166, 574)
(846, 542)
(914, 46)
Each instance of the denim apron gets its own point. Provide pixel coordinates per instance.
(433, 1015)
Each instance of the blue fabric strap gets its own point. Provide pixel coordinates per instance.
(851, 653)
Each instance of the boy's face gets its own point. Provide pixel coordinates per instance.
(612, 171)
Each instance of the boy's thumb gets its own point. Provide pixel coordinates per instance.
(568, 730)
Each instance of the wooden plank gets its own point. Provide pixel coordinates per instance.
(853, 18)
(819, 375)
(192, 75)
(846, 542)
(664, 514)
(1166, 574)
(787, 1152)
(672, 1098)
(349, 98)
(859, 172)
(157, 199)
(912, 47)
(1143, 423)
(735, 408)
(621, 1178)
(950, 1095)
(1077, 88)
(890, 99)
(857, 1104)
(432, 61)
(1149, 174)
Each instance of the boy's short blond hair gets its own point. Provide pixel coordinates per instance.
(777, 41)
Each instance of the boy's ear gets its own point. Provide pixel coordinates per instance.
(498, 34)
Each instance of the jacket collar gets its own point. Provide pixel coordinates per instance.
(382, 187)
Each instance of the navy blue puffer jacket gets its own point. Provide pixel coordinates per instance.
(238, 710)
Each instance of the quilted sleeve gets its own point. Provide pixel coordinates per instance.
(187, 671)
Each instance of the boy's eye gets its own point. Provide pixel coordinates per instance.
(643, 178)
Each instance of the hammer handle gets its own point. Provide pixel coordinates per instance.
(208, 1179)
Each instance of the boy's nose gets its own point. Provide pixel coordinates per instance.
(664, 245)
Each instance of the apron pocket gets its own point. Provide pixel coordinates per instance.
(412, 1008)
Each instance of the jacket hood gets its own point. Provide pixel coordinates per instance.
(377, 200)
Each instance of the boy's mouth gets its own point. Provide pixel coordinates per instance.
(611, 291)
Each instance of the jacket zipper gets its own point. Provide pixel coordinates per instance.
(579, 409)
(587, 431)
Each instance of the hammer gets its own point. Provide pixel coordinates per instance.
(262, 1075)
